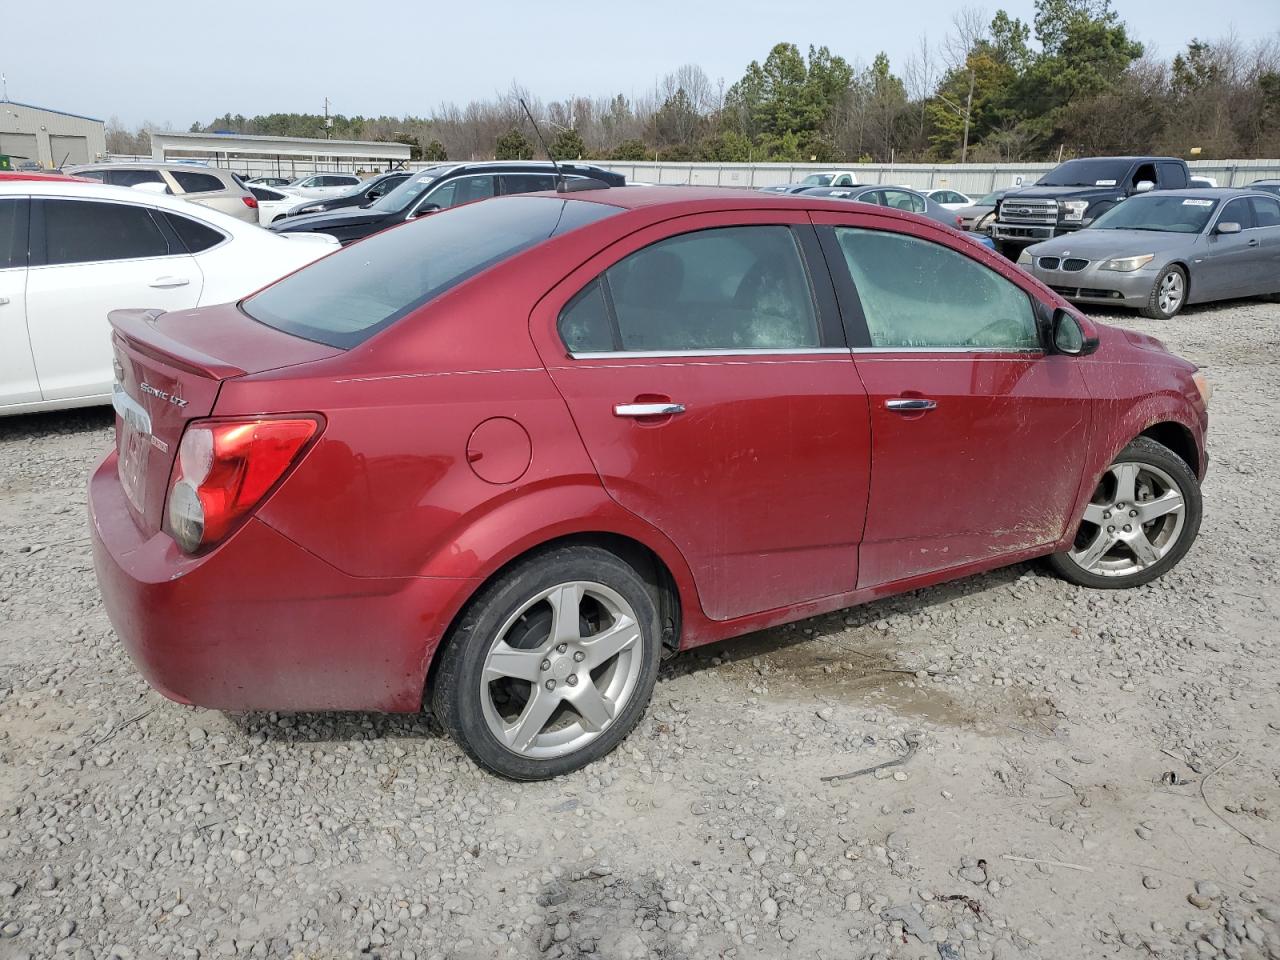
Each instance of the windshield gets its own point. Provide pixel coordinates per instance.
(1165, 214)
(1086, 173)
(409, 191)
(819, 179)
(349, 296)
(990, 199)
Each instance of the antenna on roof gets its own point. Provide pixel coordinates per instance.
(545, 149)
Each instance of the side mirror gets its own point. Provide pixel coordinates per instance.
(1073, 336)
(1227, 226)
(426, 209)
(1144, 186)
(373, 194)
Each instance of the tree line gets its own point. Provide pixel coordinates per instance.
(1072, 82)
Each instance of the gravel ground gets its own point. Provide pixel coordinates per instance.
(1079, 769)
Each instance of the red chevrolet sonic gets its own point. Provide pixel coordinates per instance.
(499, 458)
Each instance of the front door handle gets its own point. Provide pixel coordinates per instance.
(163, 283)
(911, 404)
(1253, 242)
(664, 409)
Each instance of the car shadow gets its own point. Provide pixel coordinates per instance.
(48, 423)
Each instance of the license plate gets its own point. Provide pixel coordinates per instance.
(134, 445)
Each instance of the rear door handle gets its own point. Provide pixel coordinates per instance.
(647, 409)
(163, 283)
(910, 404)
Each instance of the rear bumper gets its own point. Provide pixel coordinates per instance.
(260, 623)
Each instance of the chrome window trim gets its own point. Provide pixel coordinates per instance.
(1037, 351)
(661, 354)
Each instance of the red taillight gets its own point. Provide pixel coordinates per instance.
(250, 202)
(224, 468)
(959, 223)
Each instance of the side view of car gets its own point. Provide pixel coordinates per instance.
(70, 252)
(211, 187)
(950, 199)
(642, 420)
(273, 204)
(322, 185)
(361, 195)
(979, 214)
(269, 181)
(897, 198)
(1161, 251)
(438, 188)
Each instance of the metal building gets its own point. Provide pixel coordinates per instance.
(282, 156)
(50, 138)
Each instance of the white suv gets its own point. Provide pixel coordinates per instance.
(322, 185)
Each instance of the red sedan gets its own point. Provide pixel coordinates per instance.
(500, 457)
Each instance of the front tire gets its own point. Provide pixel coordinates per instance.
(1140, 521)
(1168, 294)
(552, 665)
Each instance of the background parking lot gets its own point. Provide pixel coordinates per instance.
(1082, 771)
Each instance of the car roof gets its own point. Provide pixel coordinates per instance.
(7, 176)
(147, 165)
(1204, 193)
(99, 191)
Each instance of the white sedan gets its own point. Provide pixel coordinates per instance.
(273, 203)
(94, 249)
(322, 185)
(950, 199)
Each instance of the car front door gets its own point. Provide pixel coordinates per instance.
(978, 436)
(703, 364)
(89, 257)
(1230, 258)
(18, 383)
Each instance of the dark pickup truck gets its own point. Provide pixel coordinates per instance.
(1075, 193)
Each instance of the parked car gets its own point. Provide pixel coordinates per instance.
(1268, 186)
(1074, 194)
(950, 199)
(1202, 181)
(217, 189)
(439, 188)
(506, 455)
(800, 187)
(322, 185)
(269, 181)
(94, 248)
(273, 204)
(979, 214)
(899, 198)
(361, 195)
(1159, 252)
(837, 178)
(14, 176)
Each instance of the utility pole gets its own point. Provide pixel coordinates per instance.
(328, 124)
(4, 84)
(968, 112)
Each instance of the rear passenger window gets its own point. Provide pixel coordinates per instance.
(916, 293)
(730, 288)
(13, 233)
(195, 236)
(131, 178)
(196, 182)
(80, 231)
(1266, 212)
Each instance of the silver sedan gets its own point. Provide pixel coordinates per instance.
(1160, 251)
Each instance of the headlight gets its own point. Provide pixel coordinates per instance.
(1074, 209)
(1127, 264)
(1024, 258)
(314, 208)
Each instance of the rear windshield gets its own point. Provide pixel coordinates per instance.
(349, 296)
(1087, 173)
(1167, 214)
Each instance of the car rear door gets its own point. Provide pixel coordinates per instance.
(1231, 258)
(1266, 226)
(18, 383)
(704, 366)
(89, 257)
(978, 436)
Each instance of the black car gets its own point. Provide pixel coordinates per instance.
(361, 195)
(438, 188)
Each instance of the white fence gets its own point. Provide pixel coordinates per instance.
(972, 178)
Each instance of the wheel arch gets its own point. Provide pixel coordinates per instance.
(642, 557)
(1178, 438)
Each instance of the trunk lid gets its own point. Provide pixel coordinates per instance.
(169, 368)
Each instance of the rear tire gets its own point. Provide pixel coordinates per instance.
(1168, 294)
(552, 664)
(1140, 521)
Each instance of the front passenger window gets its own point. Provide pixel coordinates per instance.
(920, 294)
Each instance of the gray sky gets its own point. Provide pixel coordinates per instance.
(174, 63)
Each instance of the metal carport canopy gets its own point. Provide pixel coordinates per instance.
(241, 145)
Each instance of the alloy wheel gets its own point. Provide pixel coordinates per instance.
(1171, 292)
(560, 669)
(1133, 521)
